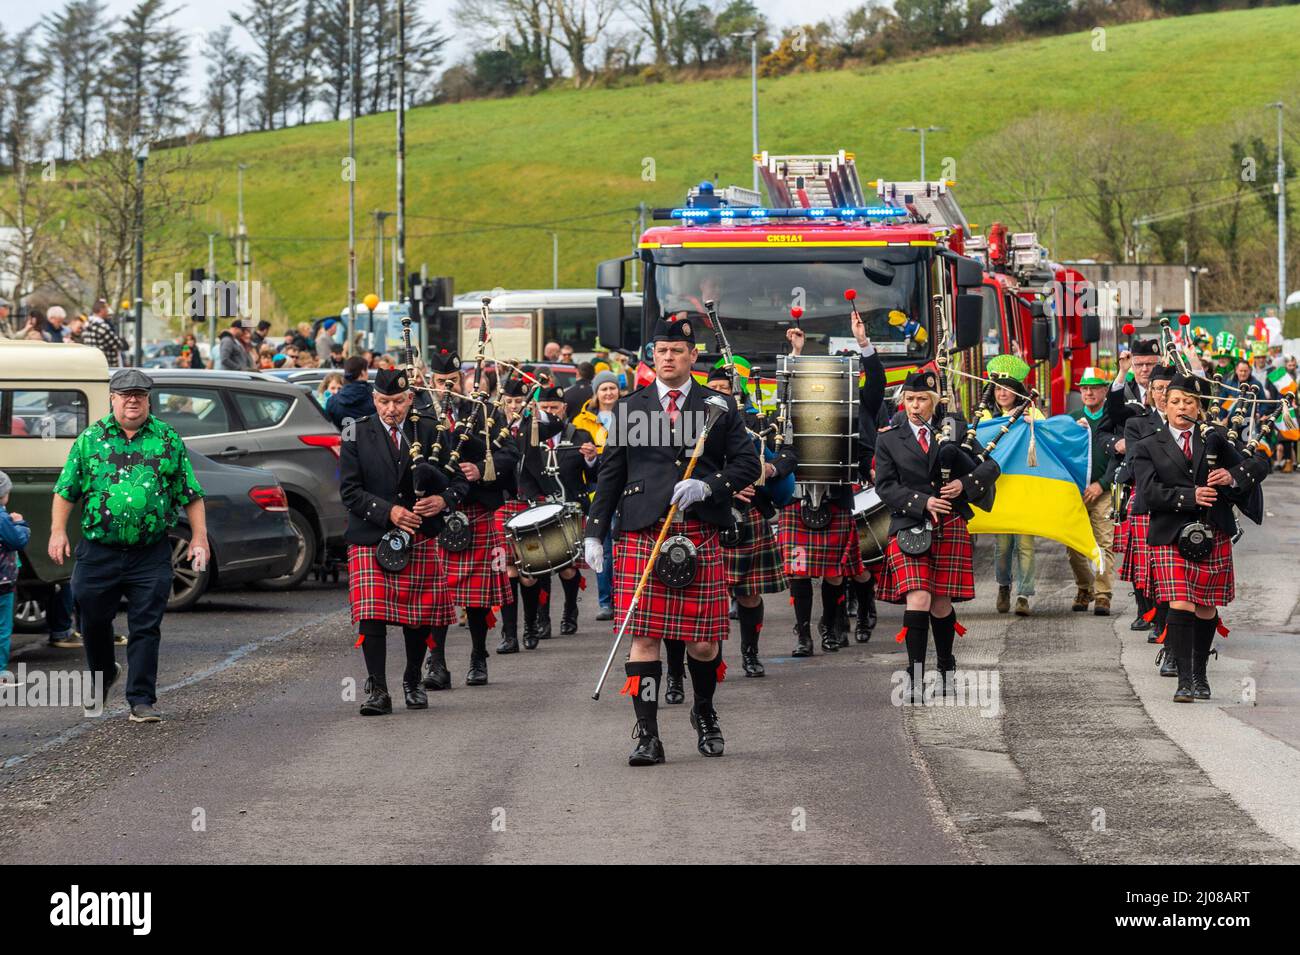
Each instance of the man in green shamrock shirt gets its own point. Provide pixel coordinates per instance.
(130, 472)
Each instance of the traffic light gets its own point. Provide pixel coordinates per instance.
(416, 283)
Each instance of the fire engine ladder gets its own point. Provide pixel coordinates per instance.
(811, 182)
(929, 202)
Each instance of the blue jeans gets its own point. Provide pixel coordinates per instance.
(1021, 548)
(6, 627)
(59, 613)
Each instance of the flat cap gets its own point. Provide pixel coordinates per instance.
(130, 379)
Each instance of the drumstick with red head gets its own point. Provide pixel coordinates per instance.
(796, 313)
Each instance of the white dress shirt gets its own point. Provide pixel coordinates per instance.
(684, 388)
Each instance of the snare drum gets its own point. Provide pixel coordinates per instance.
(820, 397)
(546, 538)
(871, 517)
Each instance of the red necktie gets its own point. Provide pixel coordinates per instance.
(397, 438)
(1187, 444)
(925, 442)
(672, 405)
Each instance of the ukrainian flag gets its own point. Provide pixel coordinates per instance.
(1043, 499)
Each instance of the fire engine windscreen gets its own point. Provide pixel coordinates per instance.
(754, 301)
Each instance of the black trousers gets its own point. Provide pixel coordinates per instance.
(102, 578)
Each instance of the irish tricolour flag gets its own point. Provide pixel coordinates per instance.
(1282, 380)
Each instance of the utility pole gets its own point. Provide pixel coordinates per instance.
(636, 239)
(352, 177)
(241, 240)
(210, 296)
(380, 216)
(399, 257)
(922, 130)
(140, 158)
(1280, 189)
(555, 260)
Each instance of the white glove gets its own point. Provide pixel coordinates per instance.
(688, 492)
(594, 554)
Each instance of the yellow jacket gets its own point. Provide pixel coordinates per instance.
(587, 420)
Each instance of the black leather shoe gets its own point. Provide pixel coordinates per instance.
(705, 721)
(436, 674)
(830, 639)
(543, 625)
(416, 698)
(803, 646)
(674, 693)
(1140, 624)
(477, 675)
(569, 620)
(1152, 636)
(751, 664)
(871, 605)
(1185, 693)
(509, 643)
(649, 751)
(947, 672)
(1200, 681)
(862, 629)
(1168, 665)
(530, 637)
(378, 702)
(842, 631)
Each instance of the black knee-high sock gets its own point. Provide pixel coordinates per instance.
(544, 605)
(917, 623)
(415, 644)
(510, 611)
(1143, 604)
(751, 622)
(1161, 617)
(528, 595)
(570, 585)
(438, 652)
(945, 629)
(1204, 641)
(862, 590)
(675, 651)
(478, 628)
(704, 679)
(374, 647)
(645, 696)
(831, 596)
(1180, 640)
(801, 592)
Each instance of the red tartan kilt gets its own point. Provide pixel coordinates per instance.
(1209, 582)
(1136, 566)
(416, 597)
(833, 552)
(1120, 540)
(476, 576)
(697, 612)
(755, 568)
(946, 570)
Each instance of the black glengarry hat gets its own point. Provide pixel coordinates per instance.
(391, 381)
(1162, 373)
(921, 380)
(443, 361)
(1192, 384)
(1146, 346)
(674, 329)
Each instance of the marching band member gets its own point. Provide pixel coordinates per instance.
(514, 395)
(577, 470)
(1092, 585)
(833, 553)
(476, 572)
(928, 583)
(641, 475)
(1178, 486)
(377, 489)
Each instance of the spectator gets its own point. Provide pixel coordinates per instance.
(551, 352)
(34, 335)
(4, 317)
(259, 335)
(329, 387)
(302, 339)
(232, 348)
(77, 329)
(335, 356)
(265, 356)
(566, 354)
(101, 334)
(580, 392)
(353, 400)
(191, 356)
(14, 534)
(325, 340)
(53, 329)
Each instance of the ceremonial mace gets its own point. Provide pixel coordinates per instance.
(717, 407)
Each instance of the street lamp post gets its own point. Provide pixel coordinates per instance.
(241, 240)
(555, 260)
(140, 158)
(922, 130)
(752, 37)
(399, 253)
(1281, 218)
(352, 176)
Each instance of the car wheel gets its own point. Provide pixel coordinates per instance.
(29, 612)
(305, 531)
(188, 584)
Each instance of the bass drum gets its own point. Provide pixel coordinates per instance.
(820, 396)
(545, 538)
(871, 517)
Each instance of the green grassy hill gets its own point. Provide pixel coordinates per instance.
(574, 160)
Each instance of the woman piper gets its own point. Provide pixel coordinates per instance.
(1186, 478)
(927, 581)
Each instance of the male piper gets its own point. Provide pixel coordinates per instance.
(378, 489)
(641, 473)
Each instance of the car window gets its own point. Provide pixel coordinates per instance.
(193, 412)
(261, 410)
(41, 413)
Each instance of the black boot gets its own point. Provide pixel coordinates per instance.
(828, 623)
(842, 621)
(1202, 650)
(436, 674)
(1180, 639)
(751, 623)
(1158, 621)
(866, 621)
(675, 688)
(569, 618)
(945, 629)
(415, 638)
(917, 637)
(801, 595)
(378, 702)
(1143, 605)
(704, 719)
(478, 627)
(803, 646)
(643, 686)
(1166, 658)
(528, 597)
(510, 621)
(477, 675)
(871, 603)
(544, 607)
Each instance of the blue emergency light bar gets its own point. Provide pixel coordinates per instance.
(732, 213)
